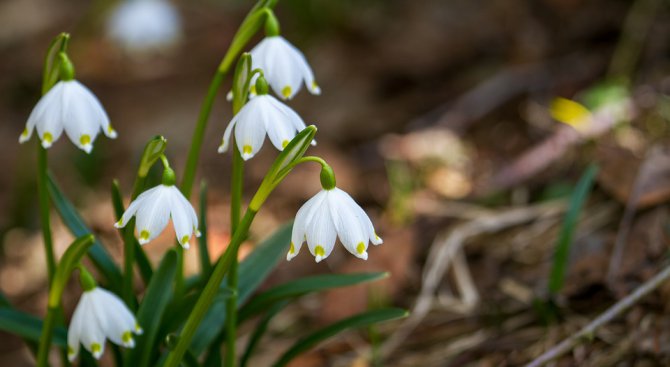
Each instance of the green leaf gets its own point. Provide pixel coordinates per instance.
(252, 272)
(141, 259)
(262, 326)
(303, 286)
(28, 327)
(358, 321)
(97, 253)
(241, 79)
(205, 262)
(564, 243)
(151, 310)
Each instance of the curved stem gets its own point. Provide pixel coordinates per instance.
(310, 158)
(207, 295)
(45, 337)
(43, 194)
(231, 304)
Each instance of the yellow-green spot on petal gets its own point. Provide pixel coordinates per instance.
(47, 137)
(376, 237)
(286, 91)
(25, 132)
(253, 89)
(246, 149)
(110, 129)
(138, 329)
(120, 222)
(70, 351)
(291, 249)
(284, 143)
(314, 85)
(96, 348)
(360, 248)
(85, 139)
(319, 251)
(144, 235)
(184, 239)
(127, 337)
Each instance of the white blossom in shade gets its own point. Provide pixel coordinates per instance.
(141, 25)
(262, 114)
(72, 107)
(100, 315)
(327, 215)
(152, 210)
(284, 67)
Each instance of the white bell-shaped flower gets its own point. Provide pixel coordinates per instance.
(100, 315)
(152, 210)
(262, 115)
(330, 214)
(143, 25)
(284, 67)
(68, 106)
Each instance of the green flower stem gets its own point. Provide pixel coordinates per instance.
(43, 195)
(46, 336)
(128, 263)
(208, 293)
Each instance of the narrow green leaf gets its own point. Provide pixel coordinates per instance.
(260, 329)
(151, 310)
(303, 286)
(564, 243)
(141, 259)
(205, 262)
(28, 327)
(97, 253)
(358, 321)
(252, 272)
(241, 79)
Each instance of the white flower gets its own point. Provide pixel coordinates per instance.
(328, 214)
(154, 207)
(140, 25)
(100, 315)
(262, 114)
(284, 67)
(69, 105)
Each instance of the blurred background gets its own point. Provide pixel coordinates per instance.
(439, 117)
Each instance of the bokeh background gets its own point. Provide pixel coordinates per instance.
(435, 115)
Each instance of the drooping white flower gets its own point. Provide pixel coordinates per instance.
(330, 214)
(100, 315)
(152, 210)
(262, 114)
(284, 67)
(140, 25)
(68, 106)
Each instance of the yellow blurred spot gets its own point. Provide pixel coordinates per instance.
(120, 222)
(144, 235)
(110, 129)
(127, 337)
(291, 249)
(286, 92)
(360, 248)
(85, 139)
(184, 239)
(314, 85)
(319, 251)
(96, 348)
(47, 137)
(246, 149)
(284, 143)
(25, 132)
(570, 112)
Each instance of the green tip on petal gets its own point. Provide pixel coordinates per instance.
(319, 251)
(284, 143)
(127, 337)
(291, 249)
(247, 149)
(47, 138)
(184, 239)
(144, 235)
(96, 350)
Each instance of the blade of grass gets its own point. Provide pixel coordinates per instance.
(562, 252)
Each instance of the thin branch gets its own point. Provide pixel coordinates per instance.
(607, 316)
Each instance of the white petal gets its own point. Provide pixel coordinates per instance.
(305, 213)
(225, 142)
(119, 321)
(321, 232)
(95, 110)
(181, 217)
(153, 215)
(351, 228)
(279, 125)
(74, 330)
(132, 208)
(92, 335)
(81, 122)
(250, 129)
(284, 74)
(49, 120)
